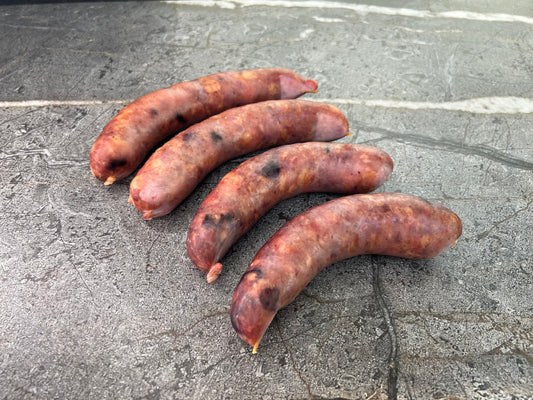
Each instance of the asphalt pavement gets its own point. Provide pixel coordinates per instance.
(97, 303)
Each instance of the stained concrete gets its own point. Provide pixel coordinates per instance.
(97, 303)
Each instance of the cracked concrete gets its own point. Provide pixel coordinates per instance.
(97, 303)
(392, 364)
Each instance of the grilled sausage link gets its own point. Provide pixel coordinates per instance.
(140, 126)
(264, 180)
(176, 168)
(379, 223)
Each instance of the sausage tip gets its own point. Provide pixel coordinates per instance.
(331, 126)
(110, 180)
(130, 199)
(311, 86)
(292, 86)
(254, 350)
(148, 215)
(214, 272)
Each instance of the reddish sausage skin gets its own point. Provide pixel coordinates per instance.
(264, 180)
(380, 223)
(176, 168)
(137, 128)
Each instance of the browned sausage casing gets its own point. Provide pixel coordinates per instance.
(380, 223)
(176, 168)
(251, 189)
(137, 128)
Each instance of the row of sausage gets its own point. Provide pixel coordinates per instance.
(229, 114)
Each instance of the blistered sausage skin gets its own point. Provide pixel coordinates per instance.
(266, 179)
(380, 223)
(140, 126)
(176, 168)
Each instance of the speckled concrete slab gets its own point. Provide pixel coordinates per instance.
(98, 303)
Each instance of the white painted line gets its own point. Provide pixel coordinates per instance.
(481, 105)
(328, 20)
(51, 103)
(361, 9)
(205, 3)
(306, 33)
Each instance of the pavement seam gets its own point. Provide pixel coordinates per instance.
(444, 144)
(392, 377)
(483, 235)
(176, 335)
(293, 363)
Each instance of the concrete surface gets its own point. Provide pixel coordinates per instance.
(96, 303)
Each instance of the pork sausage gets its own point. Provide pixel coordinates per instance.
(137, 128)
(379, 223)
(264, 180)
(176, 168)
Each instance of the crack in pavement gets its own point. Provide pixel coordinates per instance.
(293, 364)
(392, 378)
(321, 300)
(463, 316)
(483, 235)
(338, 315)
(176, 335)
(46, 155)
(446, 145)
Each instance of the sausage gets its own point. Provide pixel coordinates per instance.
(379, 223)
(140, 126)
(264, 180)
(176, 168)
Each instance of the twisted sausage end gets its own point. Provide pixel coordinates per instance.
(293, 86)
(214, 272)
(253, 307)
(110, 180)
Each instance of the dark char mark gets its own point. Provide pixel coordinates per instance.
(257, 271)
(226, 217)
(209, 219)
(258, 274)
(385, 208)
(215, 137)
(181, 118)
(153, 112)
(188, 135)
(116, 163)
(269, 299)
(271, 170)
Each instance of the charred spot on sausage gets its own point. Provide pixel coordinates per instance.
(116, 163)
(271, 170)
(257, 271)
(181, 118)
(208, 220)
(226, 217)
(215, 137)
(153, 112)
(188, 135)
(212, 220)
(269, 298)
